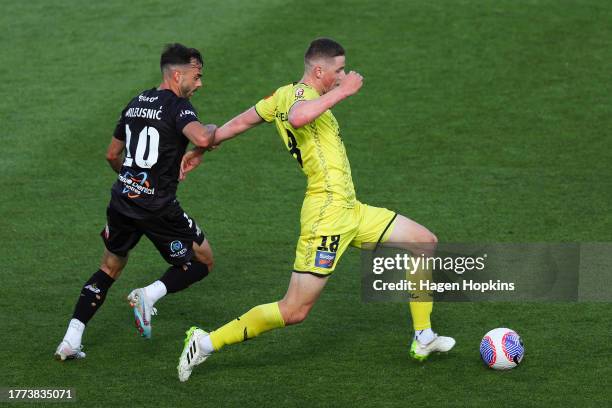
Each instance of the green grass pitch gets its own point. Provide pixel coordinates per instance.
(486, 121)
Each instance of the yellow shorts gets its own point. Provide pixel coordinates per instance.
(327, 230)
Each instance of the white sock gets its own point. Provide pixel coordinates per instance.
(74, 333)
(155, 291)
(424, 336)
(206, 345)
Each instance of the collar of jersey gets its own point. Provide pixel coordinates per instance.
(310, 86)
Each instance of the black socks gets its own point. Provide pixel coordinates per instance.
(92, 296)
(178, 278)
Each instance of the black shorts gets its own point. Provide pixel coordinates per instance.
(172, 233)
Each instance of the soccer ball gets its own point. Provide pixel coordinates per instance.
(502, 349)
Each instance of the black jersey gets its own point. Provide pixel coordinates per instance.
(152, 127)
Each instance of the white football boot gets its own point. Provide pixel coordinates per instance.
(420, 351)
(65, 351)
(192, 354)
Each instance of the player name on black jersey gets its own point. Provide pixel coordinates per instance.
(144, 113)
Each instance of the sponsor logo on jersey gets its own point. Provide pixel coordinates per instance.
(136, 185)
(176, 246)
(142, 98)
(186, 112)
(177, 249)
(283, 116)
(299, 92)
(325, 259)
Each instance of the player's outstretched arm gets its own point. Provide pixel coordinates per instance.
(237, 125)
(114, 154)
(232, 128)
(304, 112)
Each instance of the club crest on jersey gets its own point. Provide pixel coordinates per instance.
(299, 92)
(325, 259)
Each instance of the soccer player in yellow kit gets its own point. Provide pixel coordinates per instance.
(331, 218)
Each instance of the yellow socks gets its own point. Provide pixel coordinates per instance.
(421, 304)
(259, 319)
(420, 312)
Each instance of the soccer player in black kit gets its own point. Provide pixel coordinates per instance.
(150, 139)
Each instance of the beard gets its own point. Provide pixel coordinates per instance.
(187, 92)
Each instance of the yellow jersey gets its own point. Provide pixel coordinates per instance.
(317, 146)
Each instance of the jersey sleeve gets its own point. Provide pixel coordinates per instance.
(120, 128)
(266, 108)
(185, 114)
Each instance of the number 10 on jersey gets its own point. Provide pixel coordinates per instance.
(147, 143)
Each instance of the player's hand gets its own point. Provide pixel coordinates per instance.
(190, 161)
(351, 83)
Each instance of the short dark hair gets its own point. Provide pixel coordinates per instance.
(323, 47)
(178, 54)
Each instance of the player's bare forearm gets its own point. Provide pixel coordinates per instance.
(116, 164)
(211, 130)
(200, 135)
(304, 112)
(114, 154)
(238, 125)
